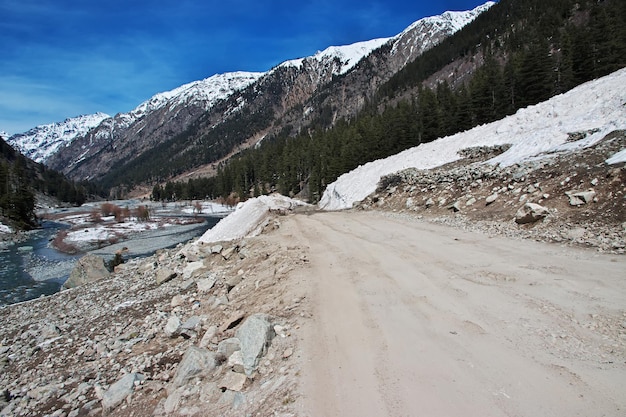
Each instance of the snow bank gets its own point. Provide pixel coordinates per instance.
(534, 132)
(247, 217)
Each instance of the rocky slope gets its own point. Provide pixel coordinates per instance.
(140, 341)
(573, 199)
(333, 83)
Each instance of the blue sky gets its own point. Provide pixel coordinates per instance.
(63, 58)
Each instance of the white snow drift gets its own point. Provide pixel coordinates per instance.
(534, 132)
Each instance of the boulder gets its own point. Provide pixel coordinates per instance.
(578, 198)
(255, 334)
(208, 336)
(89, 268)
(164, 275)
(191, 268)
(173, 326)
(229, 346)
(205, 284)
(530, 213)
(490, 199)
(429, 203)
(118, 391)
(195, 362)
(233, 381)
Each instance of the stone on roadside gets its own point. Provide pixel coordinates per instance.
(191, 268)
(233, 381)
(578, 198)
(208, 336)
(195, 362)
(164, 275)
(491, 199)
(255, 335)
(227, 253)
(118, 391)
(530, 213)
(205, 284)
(173, 326)
(229, 346)
(455, 207)
(89, 268)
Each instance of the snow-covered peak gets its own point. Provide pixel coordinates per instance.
(208, 91)
(42, 141)
(534, 132)
(348, 55)
(453, 20)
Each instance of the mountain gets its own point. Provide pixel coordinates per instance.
(204, 122)
(41, 142)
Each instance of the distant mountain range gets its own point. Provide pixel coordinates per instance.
(201, 123)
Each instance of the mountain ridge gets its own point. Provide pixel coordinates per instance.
(150, 124)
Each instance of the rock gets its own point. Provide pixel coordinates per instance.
(89, 268)
(530, 213)
(429, 203)
(255, 334)
(118, 392)
(233, 381)
(492, 198)
(191, 268)
(229, 346)
(164, 275)
(216, 249)
(470, 202)
(455, 207)
(205, 284)
(410, 203)
(208, 336)
(227, 253)
(232, 281)
(235, 362)
(195, 362)
(578, 198)
(191, 323)
(173, 326)
(287, 353)
(177, 300)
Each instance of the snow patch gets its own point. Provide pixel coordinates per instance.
(534, 132)
(247, 219)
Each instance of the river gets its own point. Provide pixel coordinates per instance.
(31, 268)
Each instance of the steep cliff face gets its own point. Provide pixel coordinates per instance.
(205, 121)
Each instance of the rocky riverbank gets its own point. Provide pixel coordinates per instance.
(140, 341)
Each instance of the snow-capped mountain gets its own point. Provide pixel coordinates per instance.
(42, 141)
(344, 57)
(205, 92)
(248, 106)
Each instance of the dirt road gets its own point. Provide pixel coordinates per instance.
(415, 319)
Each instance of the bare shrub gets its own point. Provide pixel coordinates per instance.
(142, 213)
(61, 245)
(95, 217)
(108, 209)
